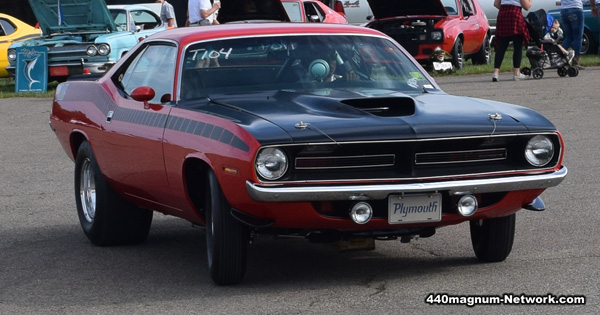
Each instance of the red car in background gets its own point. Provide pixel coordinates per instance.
(312, 11)
(459, 27)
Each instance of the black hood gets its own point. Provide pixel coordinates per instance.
(371, 115)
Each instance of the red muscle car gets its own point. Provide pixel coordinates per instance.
(458, 27)
(325, 131)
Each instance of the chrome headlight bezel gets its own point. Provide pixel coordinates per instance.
(539, 151)
(11, 54)
(271, 163)
(103, 49)
(91, 50)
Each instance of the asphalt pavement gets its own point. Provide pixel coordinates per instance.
(47, 266)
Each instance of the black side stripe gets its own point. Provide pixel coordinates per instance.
(181, 124)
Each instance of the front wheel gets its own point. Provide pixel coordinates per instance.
(573, 72)
(105, 217)
(226, 238)
(458, 55)
(492, 239)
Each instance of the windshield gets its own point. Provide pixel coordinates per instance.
(297, 63)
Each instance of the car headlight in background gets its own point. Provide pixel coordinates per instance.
(103, 49)
(91, 50)
(539, 151)
(12, 54)
(437, 35)
(271, 163)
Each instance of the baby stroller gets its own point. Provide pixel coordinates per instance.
(545, 54)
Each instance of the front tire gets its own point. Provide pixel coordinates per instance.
(226, 238)
(105, 217)
(458, 55)
(492, 239)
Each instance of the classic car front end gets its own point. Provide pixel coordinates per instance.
(329, 132)
(458, 27)
(89, 38)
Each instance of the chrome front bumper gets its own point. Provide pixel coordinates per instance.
(374, 192)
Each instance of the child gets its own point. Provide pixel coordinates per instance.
(555, 34)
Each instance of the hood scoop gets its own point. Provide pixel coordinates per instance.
(385, 107)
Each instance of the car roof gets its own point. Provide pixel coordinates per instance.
(186, 35)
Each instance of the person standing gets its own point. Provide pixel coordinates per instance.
(167, 14)
(201, 12)
(571, 16)
(510, 27)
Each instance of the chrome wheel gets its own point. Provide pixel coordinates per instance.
(87, 191)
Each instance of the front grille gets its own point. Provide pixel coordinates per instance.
(460, 156)
(329, 162)
(410, 160)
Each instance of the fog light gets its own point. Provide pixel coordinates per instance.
(467, 205)
(361, 213)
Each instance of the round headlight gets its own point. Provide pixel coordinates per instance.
(12, 55)
(271, 163)
(103, 49)
(539, 151)
(91, 50)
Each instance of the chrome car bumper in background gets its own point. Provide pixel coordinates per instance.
(374, 192)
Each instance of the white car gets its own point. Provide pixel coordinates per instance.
(491, 12)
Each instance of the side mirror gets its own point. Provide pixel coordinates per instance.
(314, 19)
(143, 94)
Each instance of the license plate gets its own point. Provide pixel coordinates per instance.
(414, 208)
(59, 71)
(442, 66)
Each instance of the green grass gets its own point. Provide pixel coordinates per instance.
(584, 60)
(7, 85)
(7, 89)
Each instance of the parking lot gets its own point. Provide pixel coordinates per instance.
(47, 265)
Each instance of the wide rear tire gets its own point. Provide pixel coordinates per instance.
(492, 239)
(105, 217)
(226, 238)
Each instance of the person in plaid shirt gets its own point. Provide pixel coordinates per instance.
(510, 26)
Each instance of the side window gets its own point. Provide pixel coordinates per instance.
(312, 12)
(120, 18)
(145, 20)
(467, 7)
(6, 28)
(450, 6)
(154, 67)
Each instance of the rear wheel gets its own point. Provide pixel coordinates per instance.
(226, 238)
(537, 73)
(105, 217)
(482, 57)
(458, 55)
(526, 71)
(492, 239)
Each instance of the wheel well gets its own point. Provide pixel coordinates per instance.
(195, 174)
(76, 140)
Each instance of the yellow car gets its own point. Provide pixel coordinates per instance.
(12, 30)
